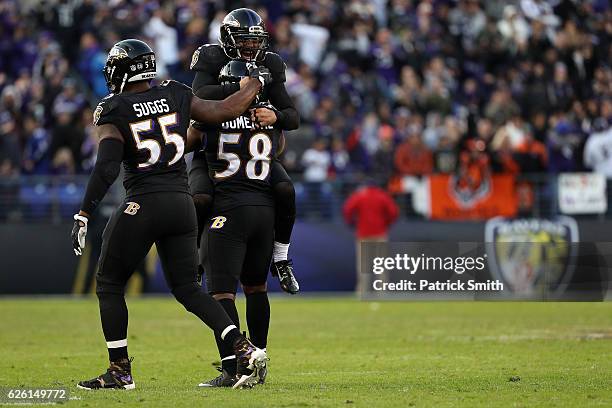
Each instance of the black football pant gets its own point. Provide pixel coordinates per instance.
(202, 189)
(167, 219)
(239, 245)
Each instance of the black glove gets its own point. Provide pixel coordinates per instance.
(263, 74)
(79, 230)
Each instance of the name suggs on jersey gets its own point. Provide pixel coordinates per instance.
(151, 107)
(243, 122)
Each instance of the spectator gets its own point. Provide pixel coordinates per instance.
(356, 70)
(532, 156)
(598, 152)
(501, 107)
(382, 162)
(563, 141)
(513, 28)
(36, 152)
(413, 158)
(372, 211)
(69, 101)
(339, 158)
(9, 146)
(91, 63)
(316, 162)
(65, 149)
(161, 29)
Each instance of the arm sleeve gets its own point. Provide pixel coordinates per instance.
(205, 86)
(105, 172)
(206, 62)
(286, 114)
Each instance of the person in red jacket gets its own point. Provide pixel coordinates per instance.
(372, 211)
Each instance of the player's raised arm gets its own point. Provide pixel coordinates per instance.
(103, 175)
(216, 112)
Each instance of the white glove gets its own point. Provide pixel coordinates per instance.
(79, 231)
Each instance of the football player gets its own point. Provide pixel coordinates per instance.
(144, 127)
(243, 36)
(239, 237)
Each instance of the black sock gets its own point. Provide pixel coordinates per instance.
(258, 318)
(203, 305)
(284, 198)
(225, 346)
(114, 317)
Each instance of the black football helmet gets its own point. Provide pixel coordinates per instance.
(129, 61)
(243, 35)
(233, 72)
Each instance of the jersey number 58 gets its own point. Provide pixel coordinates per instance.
(260, 149)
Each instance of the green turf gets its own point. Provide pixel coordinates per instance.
(328, 353)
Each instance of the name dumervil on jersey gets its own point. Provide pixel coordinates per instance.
(243, 122)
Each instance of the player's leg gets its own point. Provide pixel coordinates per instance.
(125, 242)
(178, 254)
(284, 198)
(226, 248)
(202, 189)
(254, 276)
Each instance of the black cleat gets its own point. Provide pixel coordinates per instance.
(118, 376)
(284, 271)
(249, 360)
(222, 380)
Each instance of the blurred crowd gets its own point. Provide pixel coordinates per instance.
(384, 87)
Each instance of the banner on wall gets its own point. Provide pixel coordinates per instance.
(460, 198)
(582, 193)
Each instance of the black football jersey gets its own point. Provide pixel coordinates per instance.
(210, 58)
(239, 157)
(153, 125)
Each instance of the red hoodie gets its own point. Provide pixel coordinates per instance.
(372, 209)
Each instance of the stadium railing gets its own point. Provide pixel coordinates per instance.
(54, 199)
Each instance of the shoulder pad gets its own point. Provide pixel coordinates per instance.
(209, 57)
(171, 83)
(103, 111)
(276, 65)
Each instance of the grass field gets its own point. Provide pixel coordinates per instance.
(328, 353)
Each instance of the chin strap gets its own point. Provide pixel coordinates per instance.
(125, 77)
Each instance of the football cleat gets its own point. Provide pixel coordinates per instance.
(262, 373)
(222, 380)
(249, 360)
(118, 376)
(284, 271)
